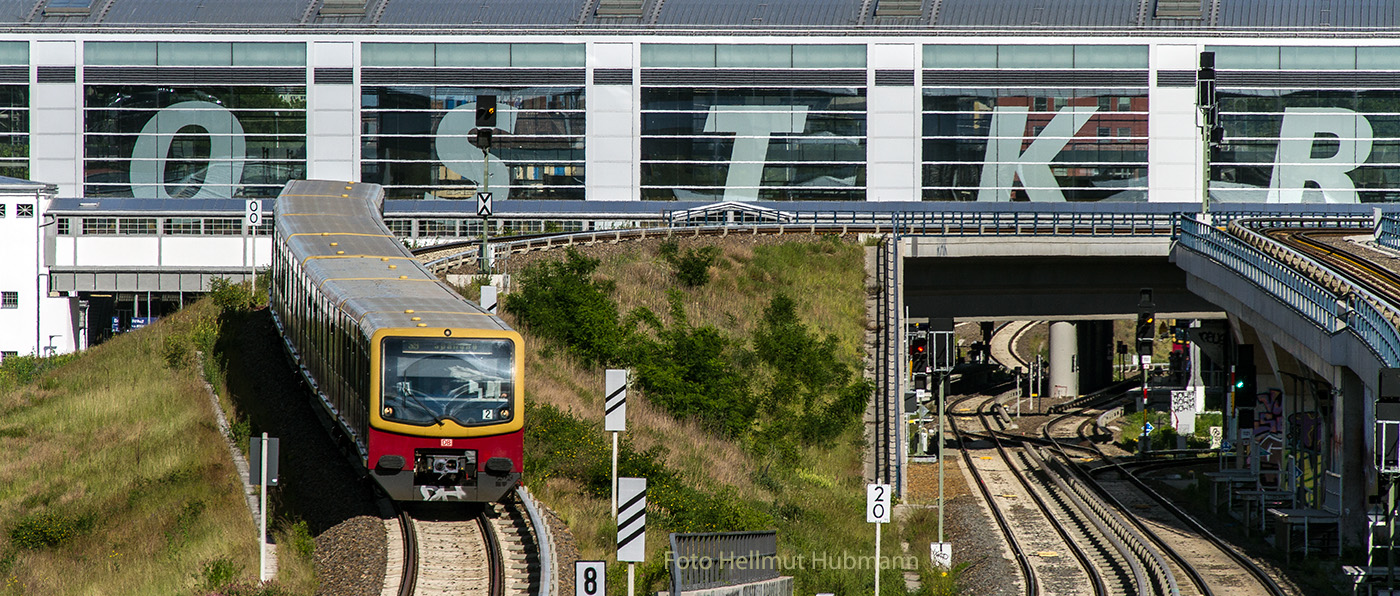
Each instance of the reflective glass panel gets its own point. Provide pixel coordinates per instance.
(429, 380)
(753, 144)
(192, 142)
(473, 54)
(1309, 146)
(960, 56)
(417, 142)
(1050, 145)
(665, 55)
(753, 56)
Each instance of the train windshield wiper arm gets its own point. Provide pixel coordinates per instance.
(411, 394)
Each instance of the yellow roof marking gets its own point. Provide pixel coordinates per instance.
(435, 312)
(338, 234)
(354, 257)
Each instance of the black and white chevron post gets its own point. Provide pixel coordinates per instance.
(615, 400)
(615, 416)
(488, 298)
(632, 519)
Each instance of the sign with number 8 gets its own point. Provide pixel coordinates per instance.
(589, 579)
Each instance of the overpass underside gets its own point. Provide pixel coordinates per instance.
(1063, 288)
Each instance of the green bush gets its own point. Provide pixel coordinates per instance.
(238, 432)
(559, 444)
(690, 372)
(814, 393)
(230, 297)
(302, 542)
(22, 370)
(176, 351)
(697, 372)
(219, 574)
(562, 301)
(693, 267)
(42, 530)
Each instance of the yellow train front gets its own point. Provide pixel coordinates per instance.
(425, 385)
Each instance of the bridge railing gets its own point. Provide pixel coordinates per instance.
(1342, 306)
(706, 560)
(1291, 287)
(1015, 223)
(1389, 232)
(1371, 318)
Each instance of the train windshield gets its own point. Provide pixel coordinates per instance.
(429, 380)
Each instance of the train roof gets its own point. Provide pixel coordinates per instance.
(1126, 17)
(335, 230)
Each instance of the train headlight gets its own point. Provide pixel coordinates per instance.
(388, 410)
(504, 414)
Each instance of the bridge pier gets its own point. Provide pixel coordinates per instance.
(1064, 360)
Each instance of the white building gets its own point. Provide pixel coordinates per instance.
(33, 322)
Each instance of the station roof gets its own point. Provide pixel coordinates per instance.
(1321, 17)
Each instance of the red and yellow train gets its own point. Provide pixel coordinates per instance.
(426, 385)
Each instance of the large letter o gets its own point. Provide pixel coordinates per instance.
(227, 150)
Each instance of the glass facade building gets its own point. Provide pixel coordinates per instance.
(693, 118)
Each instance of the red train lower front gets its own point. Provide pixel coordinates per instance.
(441, 469)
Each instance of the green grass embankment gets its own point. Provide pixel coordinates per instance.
(116, 478)
(746, 407)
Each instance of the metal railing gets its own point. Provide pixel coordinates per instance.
(544, 538)
(1309, 298)
(1370, 318)
(1015, 223)
(1388, 232)
(706, 560)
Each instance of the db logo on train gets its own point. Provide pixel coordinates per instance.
(446, 442)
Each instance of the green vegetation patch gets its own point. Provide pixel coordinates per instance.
(116, 479)
(747, 402)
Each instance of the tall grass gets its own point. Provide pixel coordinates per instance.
(115, 478)
(814, 497)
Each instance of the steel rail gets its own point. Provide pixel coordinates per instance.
(408, 583)
(493, 555)
(1019, 552)
(1080, 554)
(1143, 534)
(1253, 569)
(1388, 284)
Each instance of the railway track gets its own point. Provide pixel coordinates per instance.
(1213, 566)
(1356, 267)
(1063, 536)
(485, 551)
(1185, 549)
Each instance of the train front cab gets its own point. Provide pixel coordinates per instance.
(446, 414)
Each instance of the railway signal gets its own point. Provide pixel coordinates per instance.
(1212, 134)
(1146, 332)
(1146, 326)
(481, 137)
(486, 111)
